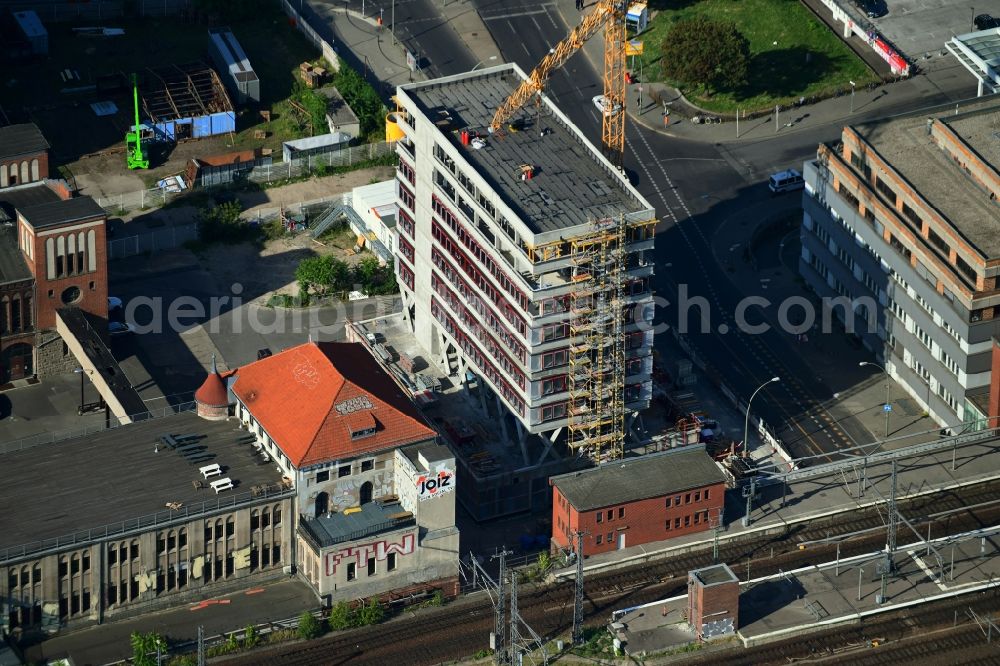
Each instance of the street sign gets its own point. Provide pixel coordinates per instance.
(411, 61)
(886, 408)
(633, 47)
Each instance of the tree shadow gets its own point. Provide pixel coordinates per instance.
(784, 72)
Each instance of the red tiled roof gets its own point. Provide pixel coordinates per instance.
(213, 391)
(308, 399)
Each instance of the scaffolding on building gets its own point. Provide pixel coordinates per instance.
(597, 367)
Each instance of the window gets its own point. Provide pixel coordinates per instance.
(344, 471)
(367, 465)
(600, 539)
(254, 520)
(687, 521)
(667, 526)
(611, 537)
(621, 512)
(600, 516)
(677, 500)
(230, 528)
(171, 541)
(553, 385)
(352, 572)
(390, 562)
(677, 523)
(706, 493)
(135, 550)
(62, 567)
(371, 566)
(322, 476)
(697, 518)
(555, 359)
(697, 496)
(552, 412)
(687, 498)
(611, 515)
(112, 555)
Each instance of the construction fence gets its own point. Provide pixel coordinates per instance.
(122, 204)
(153, 240)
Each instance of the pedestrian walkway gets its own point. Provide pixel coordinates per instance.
(107, 643)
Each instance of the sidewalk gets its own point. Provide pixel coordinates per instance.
(886, 99)
(833, 357)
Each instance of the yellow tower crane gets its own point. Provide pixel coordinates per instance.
(609, 14)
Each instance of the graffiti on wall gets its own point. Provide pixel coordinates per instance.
(435, 484)
(362, 553)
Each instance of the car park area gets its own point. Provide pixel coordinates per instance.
(920, 28)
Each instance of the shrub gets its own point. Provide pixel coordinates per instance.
(371, 613)
(250, 636)
(342, 616)
(309, 627)
(145, 647)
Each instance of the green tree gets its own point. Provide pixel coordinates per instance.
(309, 626)
(371, 613)
(145, 646)
(701, 52)
(222, 223)
(342, 616)
(367, 270)
(314, 104)
(363, 100)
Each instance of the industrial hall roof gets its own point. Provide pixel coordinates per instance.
(328, 401)
(639, 478)
(25, 139)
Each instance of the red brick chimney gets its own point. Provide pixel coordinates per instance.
(994, 401)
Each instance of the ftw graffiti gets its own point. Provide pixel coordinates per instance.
(361, 554)
(429, 486)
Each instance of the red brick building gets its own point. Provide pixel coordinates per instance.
(24, 155)
(637, 501)
(53, 254)
(713, 601)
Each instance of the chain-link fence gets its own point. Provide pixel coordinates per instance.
(122, 204)
(153, 240)
(96, 10)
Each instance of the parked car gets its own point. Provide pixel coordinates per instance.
(985, 22)
(601, 103)
(786, 181)
(114, 303)
(117, 328)
(873, 8)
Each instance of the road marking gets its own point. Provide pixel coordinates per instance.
(926, 570)
(510, 15)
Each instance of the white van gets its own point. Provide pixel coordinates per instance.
(786, 181)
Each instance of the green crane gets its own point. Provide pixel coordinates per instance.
(133, 140)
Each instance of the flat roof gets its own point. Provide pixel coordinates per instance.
(73, 485)
(61, 211)
(21, 139)
(336, 107)
(12, 266)
(639, 478)
(374, 517)
(85, 328)
(22, 196)
(231, 51)
(573, 184)
(715, 574)
(906, 145)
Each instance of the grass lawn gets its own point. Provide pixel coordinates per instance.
(792, 53)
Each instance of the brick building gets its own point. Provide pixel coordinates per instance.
(24, 155)
(53, 254)
(713, 602)
(638, 500)
(375, 507)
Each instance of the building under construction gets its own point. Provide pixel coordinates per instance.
(181, 102)
(522, 260)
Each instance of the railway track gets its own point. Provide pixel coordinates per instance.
(462, 628)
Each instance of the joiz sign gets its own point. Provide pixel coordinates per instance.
(435, 485)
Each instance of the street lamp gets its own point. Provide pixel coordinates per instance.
(886, 407)
(81, 372)
(751, 491)
(852, 95)
(492, 57)
(746, 423)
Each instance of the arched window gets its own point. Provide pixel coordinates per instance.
(60, 256)
(254, 520)
(25, 173)
(322, 504)
(4, 320)
(80, 244)
(230, 527)
(34, 169)
(218, 529)
(15, 314)
(366, 493)
(29, 314)
(276, 513)
(50, 258)
(71, 254)
(91, 251)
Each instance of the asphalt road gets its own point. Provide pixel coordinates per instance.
(695, 187)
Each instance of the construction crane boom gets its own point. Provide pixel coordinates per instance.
(608, 14)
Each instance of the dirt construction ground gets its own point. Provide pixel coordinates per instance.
(230, 264)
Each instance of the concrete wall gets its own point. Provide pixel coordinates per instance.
(141, 565)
